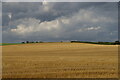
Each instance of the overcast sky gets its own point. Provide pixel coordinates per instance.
(56, 21)
(60, 0)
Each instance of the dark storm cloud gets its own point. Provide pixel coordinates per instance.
(35, 9)
(54, 21)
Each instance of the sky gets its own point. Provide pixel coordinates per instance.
(56, 21)
(0, 22)
(60, 0)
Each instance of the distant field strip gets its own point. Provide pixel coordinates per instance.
(60, 60)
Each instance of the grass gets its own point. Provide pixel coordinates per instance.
(3, 44)
(60, 60)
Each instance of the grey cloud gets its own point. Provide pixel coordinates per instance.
(60, 21)
(61, 1)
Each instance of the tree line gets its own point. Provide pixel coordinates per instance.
(32, 42)
(106, 43)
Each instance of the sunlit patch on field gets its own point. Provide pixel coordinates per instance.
(60, 60)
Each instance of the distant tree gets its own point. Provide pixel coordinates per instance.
(117, 42)
(23, 42)
(36, 41)
(27, 42)
(32, 42)
(75, 41)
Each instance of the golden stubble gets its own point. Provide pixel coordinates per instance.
(60, 60)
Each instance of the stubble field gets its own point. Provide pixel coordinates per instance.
(60, 60)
